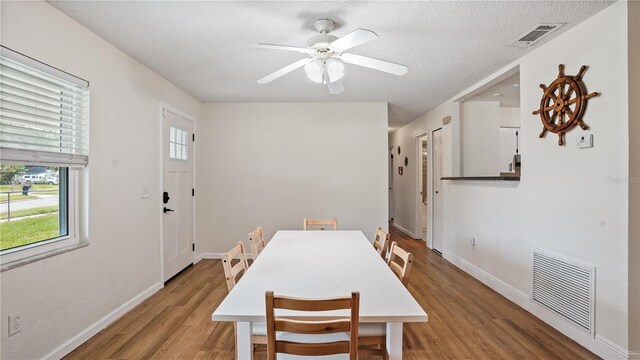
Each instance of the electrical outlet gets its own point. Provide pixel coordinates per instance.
(15, 325)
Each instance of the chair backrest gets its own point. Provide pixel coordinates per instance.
(310, 328)
(402, 271)
(318, 222)
(256, 242)
(381, 242)
(231, 271)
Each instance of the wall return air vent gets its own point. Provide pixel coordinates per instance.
(534, 35)
(566, 287)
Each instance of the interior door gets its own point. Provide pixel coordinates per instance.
(438, 215)
(423, 187)
(390, 175)
(177, 199)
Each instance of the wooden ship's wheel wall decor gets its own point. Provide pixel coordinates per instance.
(563, 104)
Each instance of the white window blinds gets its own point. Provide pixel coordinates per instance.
(44, 113)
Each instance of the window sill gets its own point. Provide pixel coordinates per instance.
(41, 256)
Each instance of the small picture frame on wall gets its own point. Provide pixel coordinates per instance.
(400, 170)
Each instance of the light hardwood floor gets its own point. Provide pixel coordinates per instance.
(467, 320)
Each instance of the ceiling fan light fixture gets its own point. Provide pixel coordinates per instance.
(325, 64)
(335, 69)
(315, 70)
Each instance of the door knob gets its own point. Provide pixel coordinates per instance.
(166, 210)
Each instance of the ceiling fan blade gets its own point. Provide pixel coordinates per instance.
(388, 67)
(354, 38)
(335, 87)
(303, 50)
(285, 70)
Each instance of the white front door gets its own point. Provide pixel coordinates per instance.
(438, 215)
(177, 199)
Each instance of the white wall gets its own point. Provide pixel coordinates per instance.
(509, 117)
(60, 297)
(273, 164)
(480, 138)
(509, 124)
(508, 142)
(568, 200)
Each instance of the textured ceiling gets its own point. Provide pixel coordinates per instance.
(202, 47)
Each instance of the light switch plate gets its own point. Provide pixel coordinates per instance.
(585, 141)
(144, 192)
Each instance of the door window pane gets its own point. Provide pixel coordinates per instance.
(178, 143)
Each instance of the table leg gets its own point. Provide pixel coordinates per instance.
(244, 341)
(394, 341)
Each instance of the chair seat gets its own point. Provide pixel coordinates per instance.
(372, 329)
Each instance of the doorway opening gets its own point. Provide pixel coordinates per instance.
(423, 194)
(390, 176)
(437, 208)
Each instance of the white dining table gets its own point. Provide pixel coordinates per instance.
(320, 264)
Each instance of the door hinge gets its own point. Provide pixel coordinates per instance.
(193, 192)
(164, 112)
(193, 247)
(193, 137)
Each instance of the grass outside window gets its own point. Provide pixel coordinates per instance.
(30, 212)
(27, 231)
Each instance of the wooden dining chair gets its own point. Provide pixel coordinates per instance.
(256, 242)
(373, 336)
(231, 272)
(381, 242)
(401, 270)
(317, 222)
(312, 337)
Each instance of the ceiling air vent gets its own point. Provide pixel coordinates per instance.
(535, 34)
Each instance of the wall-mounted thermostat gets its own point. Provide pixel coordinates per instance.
(585, 141)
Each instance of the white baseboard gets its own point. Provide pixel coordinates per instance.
(413, 236)
(87, 333)
(622, 352)
(198, 258)
(634, 355)
(600, 346)
(218, 256)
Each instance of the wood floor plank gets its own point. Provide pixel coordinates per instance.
(467, 320)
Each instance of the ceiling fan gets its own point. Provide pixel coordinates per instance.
(327, 57)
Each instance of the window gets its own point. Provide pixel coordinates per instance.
(44, 146)
(178, 144)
